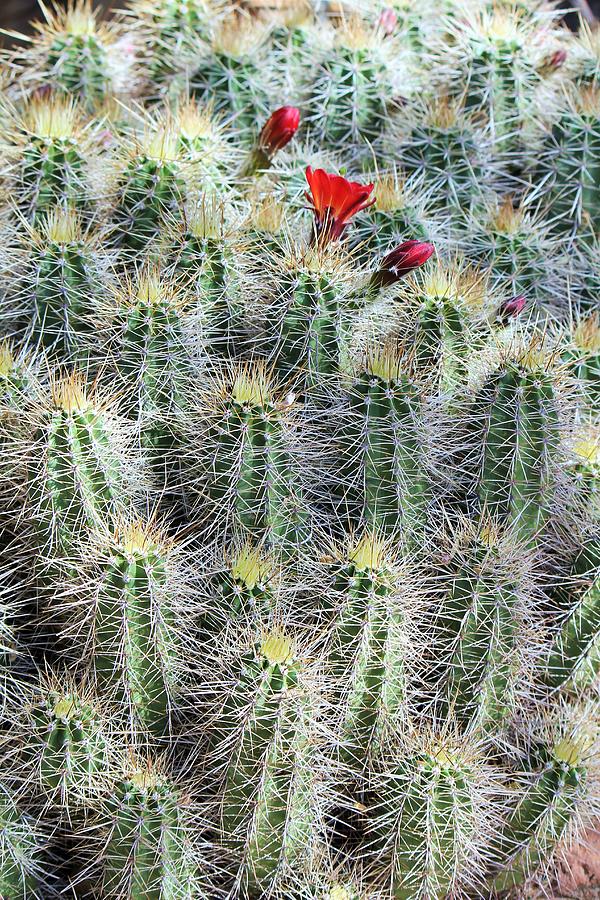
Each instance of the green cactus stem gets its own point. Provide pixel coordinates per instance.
(520, 444)
(23, 870)
(230, 74)
(305, 317)
(150, 851)
(80, 471)
(350, 94)
(450, 306)
(68, 744)
(204, 251)
(384, 447)
(139, 608)
(66, 277)
(479, 624)
(545, 806)
(249, 472)
(574, 163)
(49, 157)
(77, 60)
(267, 815)
(152, 188)
(575, 644)
(397, 214)
(430, 811)
(368, 647)
(447, 153)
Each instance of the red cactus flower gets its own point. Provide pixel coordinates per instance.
(279, 129)
(334, 201)
(511, 308)
(406, 257)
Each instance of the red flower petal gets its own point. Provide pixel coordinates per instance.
(335, 200)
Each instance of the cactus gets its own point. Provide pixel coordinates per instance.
(574, 159)
(447, 152)
(149, 331)
(385, 447)
(229, 76)
(46, 155)
(349, 94)
(369, 649)
(483, 676)
(76, 463)
(152, 186)
(69, 751)
(500, 75)
(306, 313)
(170, 31)
(66, 270)
(521, 441)
(267, 814)
(398, 212)
(522, 261)
(77, 59)
(299, 508)
(450, 319)
(584, 351)
(250, 472)
(247, 583)
(150, 851)
(131, 597)
(431, 808)
(203, 251)
(546, 804)
(22, 866)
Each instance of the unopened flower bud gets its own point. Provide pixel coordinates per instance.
(406, 257)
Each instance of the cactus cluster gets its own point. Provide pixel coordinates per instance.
(299, 450)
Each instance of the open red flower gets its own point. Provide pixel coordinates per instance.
(279, 129)
(335, 200)
(404, 258)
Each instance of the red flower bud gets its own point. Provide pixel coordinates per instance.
(557, 59)
(406, 257)
(388, 20)
(511, 308)
(42, 92)
(553, 62)
(335, 200)
(279, 129)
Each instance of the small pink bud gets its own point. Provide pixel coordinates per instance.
(511, 308)
(106, 138)
(279, 129)
(406, 257)
(388, 20)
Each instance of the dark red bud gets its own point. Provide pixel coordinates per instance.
(557, 59)
(511, 308)
(553, 62)
(279, 129)
(406, 257)
(43, 92)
